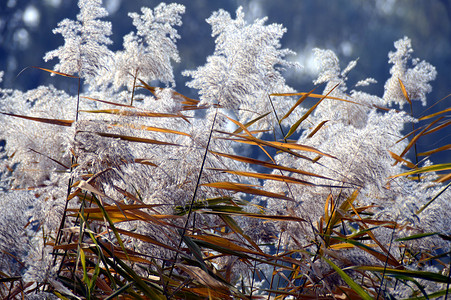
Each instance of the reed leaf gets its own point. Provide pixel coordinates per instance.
(300, 100)
(352, 284)
(53, 72)
(238, 130)
(295, 126)
(415, 138)
(67, 123)
(130, 113)
(135, 139)
(244, 188)
(317, 128)
(107, 102)
(267, 164)
(430, 276)
(404, 91)
(444, 111)
(433, 168)
(150, 128)
(443, 148)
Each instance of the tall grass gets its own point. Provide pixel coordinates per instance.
(224, 240)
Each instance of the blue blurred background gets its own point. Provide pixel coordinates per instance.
(352, 28)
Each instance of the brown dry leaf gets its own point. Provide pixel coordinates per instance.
(203, 277)
(446, 124)
(444, 178)
(295, 146)
(145, 162)
(252, 122)
(135, 139)
(108, 102)
(226, 244)
(305, 116)
(314, 131)
(59, 122)
(151, 128)
(266, 164)
(385, 256)
(84, 185)
(266, 176)
(245, 188)
(115, 208)
(55, 72)
(256, 216)
(188, 103)
(129, 113)
(117, 216)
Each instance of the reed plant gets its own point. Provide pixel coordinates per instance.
(130, 190)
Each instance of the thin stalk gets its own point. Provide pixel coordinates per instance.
(253, 278)
(192, 200)
(134, 86)
(402, 258)
(274, 269)
(415, 145)
(194, 222)
(386, 262)
(277, 118)
(449, 278)
(284, 139)
(78, 99)
(73, 161)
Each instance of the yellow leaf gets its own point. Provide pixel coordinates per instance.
(317, 128)
(443, 148)
(55, 72)
(303, 97)
(400, 159)
(435, 114)
(404, 92)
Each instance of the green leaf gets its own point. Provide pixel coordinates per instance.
(131, 275)
(120, 291)
(414, 282)
(433, 168)
(436, 277)
(352, 284)
(433, 199)
(83, 264)
(432, 295)
(417, 236)
(93, 280)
